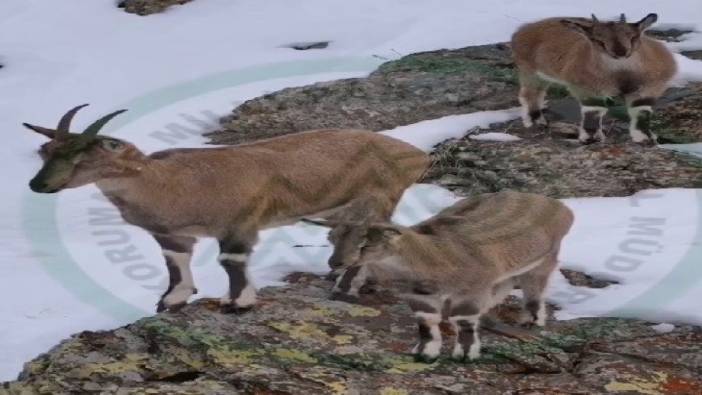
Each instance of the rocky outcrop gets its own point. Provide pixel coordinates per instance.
(417, 87)
(298, 341)
(147, 7)
(551, 161)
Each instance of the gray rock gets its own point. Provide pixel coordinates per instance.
(298, 341)
(417, 87)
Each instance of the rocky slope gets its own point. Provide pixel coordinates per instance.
(298, 341)
(147, 7)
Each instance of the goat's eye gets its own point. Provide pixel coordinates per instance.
(598, 42)
(112, 145)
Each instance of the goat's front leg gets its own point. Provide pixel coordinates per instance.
(592, 111)
(427, 310)
(178, 251)
(349, 283)
(640, 112)
(233, 257)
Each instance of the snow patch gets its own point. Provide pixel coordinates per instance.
(427, 134)
(663, 327)
(494, 136)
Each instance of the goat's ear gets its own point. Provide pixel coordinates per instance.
(578, 25)
(50, 133)
(646, 22)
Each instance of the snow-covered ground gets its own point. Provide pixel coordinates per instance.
(178, 71)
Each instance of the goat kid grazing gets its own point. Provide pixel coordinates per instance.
(595, 61)
(465, 260)
(230, 193)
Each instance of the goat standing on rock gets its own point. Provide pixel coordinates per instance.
(465, 260)
(595, 61)
(231, 193)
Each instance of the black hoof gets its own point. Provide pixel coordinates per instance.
(332, 276)
(424, 358)
(344, 297)
(161, 307)
(234, 309)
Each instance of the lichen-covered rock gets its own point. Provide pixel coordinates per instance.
(550, 161)
(146, 7)
(298, 341)
(417, 87)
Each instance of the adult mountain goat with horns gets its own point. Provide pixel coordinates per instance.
(230, 193)
(595, 61)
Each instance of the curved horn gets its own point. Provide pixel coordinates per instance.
(65, 123)
(594, 18)
(622, 18)
(95, 127)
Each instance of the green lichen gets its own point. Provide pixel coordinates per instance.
(404, 364)
(446, 65)
(295, 356)
(131, 362)
(232, 357)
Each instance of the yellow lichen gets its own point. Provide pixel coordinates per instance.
(392, 391)
(639, 385)
(343, 339)
(187, 358)
(300, 331)
(363, 311)
(321, 312)
(310, 331)
(294, 355)
(405, 365)
(231, 358)
(338, 387)
(132, 362)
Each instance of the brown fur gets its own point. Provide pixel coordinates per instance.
(230, 193)
(468, 257)
(593, 59)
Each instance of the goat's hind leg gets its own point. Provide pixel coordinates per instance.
(178, 251)
(532, 93)
(533, 284)
(233, 258)
(592, 110)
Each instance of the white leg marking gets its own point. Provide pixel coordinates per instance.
(233, 257)
(583, 135)
(247, 297)
(474, 350)
(186, 287)
(541, 314)
(432, 348)
(526, 119)
(637, 135)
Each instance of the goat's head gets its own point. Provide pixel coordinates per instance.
(616, 39)
(359, 241)
(75, 159)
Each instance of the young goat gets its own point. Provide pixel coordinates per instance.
(463, 261)
(231, 193)
(595, 61)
